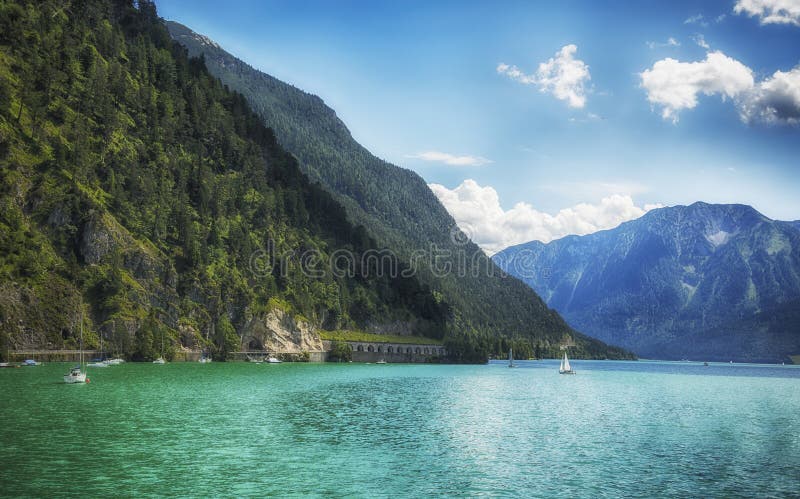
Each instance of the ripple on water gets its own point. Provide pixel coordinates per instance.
(632, 429)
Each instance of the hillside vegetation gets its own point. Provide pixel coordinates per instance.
(490, 309)
(137, 191)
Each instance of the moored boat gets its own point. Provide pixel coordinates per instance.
(77, 374)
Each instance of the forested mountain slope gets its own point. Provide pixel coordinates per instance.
(400, 212)
(138, 191)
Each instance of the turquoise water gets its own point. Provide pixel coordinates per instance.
(616, 428)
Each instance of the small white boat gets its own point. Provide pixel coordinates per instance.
(77, 374)
(565, 368)
(204, 360)
(382, 361)
(273, 360)
(114, 362)
(30, 362)
(97, 364)
(160, 359)
(511, 358)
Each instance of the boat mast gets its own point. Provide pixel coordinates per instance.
(81, 347)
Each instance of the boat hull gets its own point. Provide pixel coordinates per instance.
(77, 378)
(566, 372)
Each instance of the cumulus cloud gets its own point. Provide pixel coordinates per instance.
(563, 76)
(770, 11)
(775, 100)
(450, 159)
(674, 85)
(478, 213)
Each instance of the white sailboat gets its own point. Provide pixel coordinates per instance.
(101, 362)
(77, 374)
(160, 359)
(565, 368)
(511, 358)
(273, 360)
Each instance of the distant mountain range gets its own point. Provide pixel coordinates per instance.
(398, 210)
(715, 282)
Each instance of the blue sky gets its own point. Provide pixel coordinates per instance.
(410, 78)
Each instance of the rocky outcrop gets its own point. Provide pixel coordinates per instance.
(278, 331)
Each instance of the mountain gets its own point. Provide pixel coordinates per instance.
(715, 282)
(398, 209)
(137, 191)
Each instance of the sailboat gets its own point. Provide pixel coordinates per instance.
(160, 359)
(510, 358)
(565, 368)
(77, 374)
(101, 362)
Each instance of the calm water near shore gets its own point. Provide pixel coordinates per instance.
(616, 428)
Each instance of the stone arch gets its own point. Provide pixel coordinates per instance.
(370, 348)
(408, 350)
(417, 350)
(353, 348)
(389, 349)
(360, 348)
(425, 351)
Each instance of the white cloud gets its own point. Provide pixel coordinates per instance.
(775, 100)
(700, 40)
(674, 85)
(478, 213)
(696, 19)
(563, 76)
(671, 42)
(770, 11)
(450, 159)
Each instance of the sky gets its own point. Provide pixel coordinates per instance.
(534, 120)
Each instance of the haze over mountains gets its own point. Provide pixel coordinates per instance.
(714, 282)
(394, 204)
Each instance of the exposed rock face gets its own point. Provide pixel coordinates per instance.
(718, 282)
(278, 331)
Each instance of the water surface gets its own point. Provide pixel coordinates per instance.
(616, 428)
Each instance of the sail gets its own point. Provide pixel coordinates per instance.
(561, 366)
(566, 362)
(510, 357)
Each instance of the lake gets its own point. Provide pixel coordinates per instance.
(614, 429)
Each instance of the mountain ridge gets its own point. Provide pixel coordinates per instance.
(398, 209)
(694, 281)
(142, 198)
